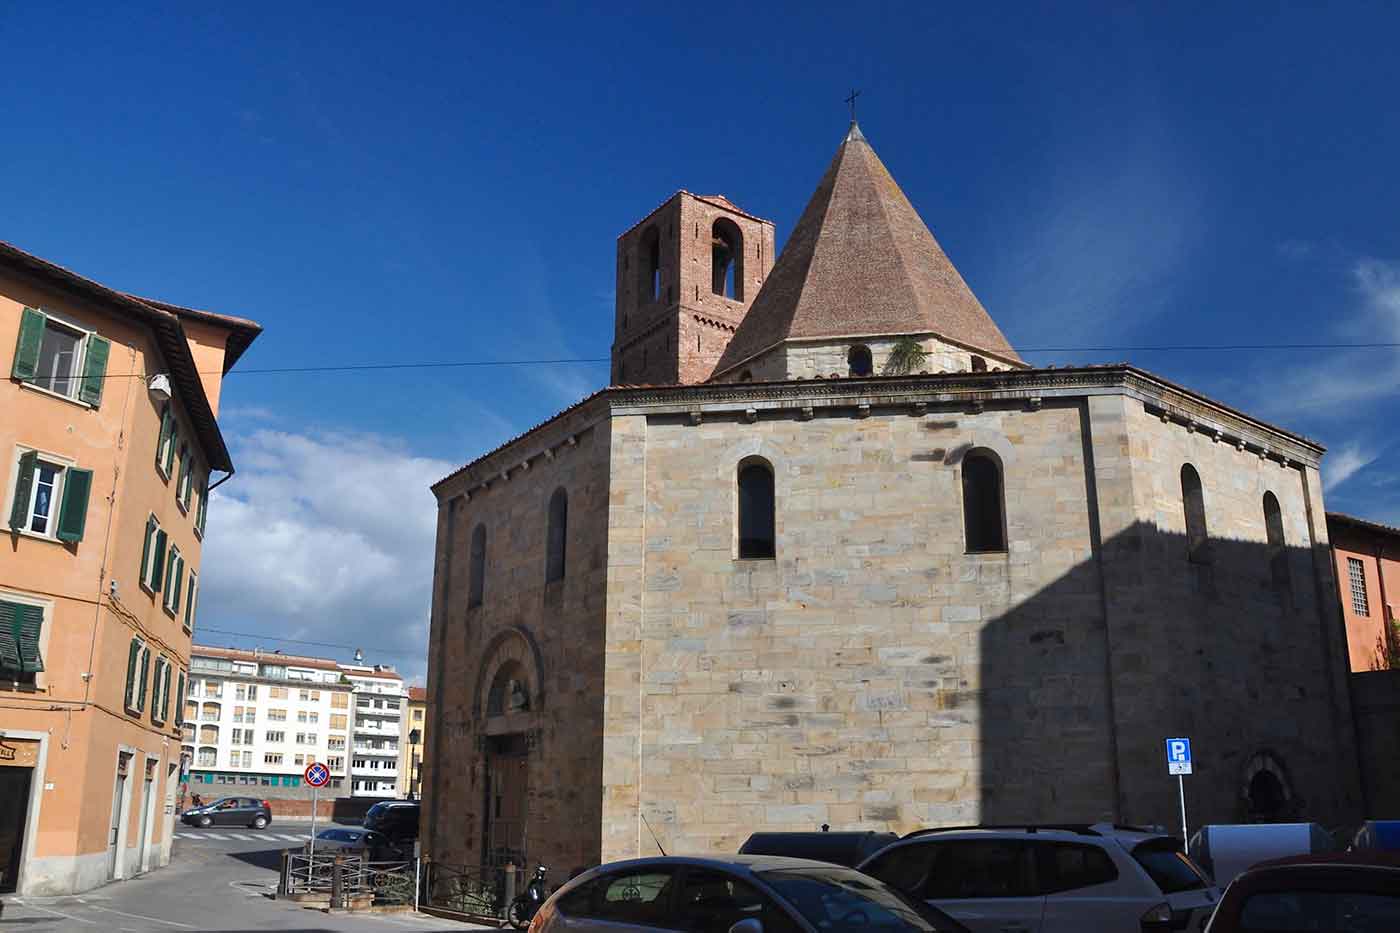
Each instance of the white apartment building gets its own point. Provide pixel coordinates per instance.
(376, 730)
(259, 718)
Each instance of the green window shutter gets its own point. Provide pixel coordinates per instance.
(27, 625)
(72, 516)
(167, 425)
(145, 662)
(94, 370)
(169, 463)
(9, 639)
(165, 695)
(177, 580)
(182, 488)
(159, 564)
(146, 548)
(24, 488)
(31, 335)
(203, 509)
(180, 695)
(132, 655)
(189, 600)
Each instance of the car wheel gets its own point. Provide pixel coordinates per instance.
(260, 822)
(205, 822)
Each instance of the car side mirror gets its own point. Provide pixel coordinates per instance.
(747, 925)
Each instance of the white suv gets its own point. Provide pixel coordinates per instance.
(1051, 879)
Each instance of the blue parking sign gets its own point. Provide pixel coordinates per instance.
(1178, 756)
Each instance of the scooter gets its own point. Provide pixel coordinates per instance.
(526, 905)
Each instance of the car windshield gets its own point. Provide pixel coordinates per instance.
(1332, 911)
(845, 899)
(1169, 869)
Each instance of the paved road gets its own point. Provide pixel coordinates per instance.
(217, 880)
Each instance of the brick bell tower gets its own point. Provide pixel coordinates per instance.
(686, 276)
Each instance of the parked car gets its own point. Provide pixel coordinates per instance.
(355, 839)
(840, 848)
(1378, 834)
(396, 820)
(230, 811)
(1043, 879)
(1226, 849)
(741, 893)
(1340, 892)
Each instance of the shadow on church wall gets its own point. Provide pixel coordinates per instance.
(1082, 683)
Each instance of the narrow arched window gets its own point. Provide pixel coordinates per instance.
(1278, 548)
(650, 266)
(859, 361)
(984, 513)
(1193, 502)
(477, 584)
(757, 524)
(979, 365)
(727, 259)
(746, 376)
(557, 535)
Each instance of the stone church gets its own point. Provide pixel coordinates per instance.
(828, 551)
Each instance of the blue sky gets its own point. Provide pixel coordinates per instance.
(446, 183)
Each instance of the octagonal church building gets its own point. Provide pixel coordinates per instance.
(828, 551)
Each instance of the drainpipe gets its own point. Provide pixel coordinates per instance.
(1387, 629)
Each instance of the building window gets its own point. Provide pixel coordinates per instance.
(160, 700)
(174, 579)
(60, 358)
(276, 715)
(49, 499)
(746, 376)
(275, 736)
(138, 663)
(201, 512)
(184, 487)
(477, 582)
(207, 757)
(1356, 571)
(21, 626)
(859, 361)
(984, 512)
(189, 616)
(1278, 547)
(727, 260)
(979, 364)
(1194, 503)
(152, 555)
(169, 441)
(650, 266)
(211, 712)
(757, 521)
(558, 535)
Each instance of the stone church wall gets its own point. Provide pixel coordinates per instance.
(550, 632)
(798, 359)
(845, 682)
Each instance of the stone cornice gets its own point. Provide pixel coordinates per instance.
(1028, 388)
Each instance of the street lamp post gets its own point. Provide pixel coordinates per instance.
(414, 737)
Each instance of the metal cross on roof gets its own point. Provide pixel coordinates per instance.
(852, 101)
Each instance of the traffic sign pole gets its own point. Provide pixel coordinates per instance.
(315, 790)
(317, 775)
(1179, 763)
(1181, 787)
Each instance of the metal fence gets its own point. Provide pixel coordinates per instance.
(347, 880)
(472, 891)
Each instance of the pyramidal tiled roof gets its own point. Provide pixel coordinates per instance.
(862, 262)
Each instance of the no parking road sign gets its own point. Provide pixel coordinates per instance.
(317, 774)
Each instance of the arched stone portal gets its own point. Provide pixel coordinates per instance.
(506, 705)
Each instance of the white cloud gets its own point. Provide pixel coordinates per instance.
(324, 538)
(1341, 465)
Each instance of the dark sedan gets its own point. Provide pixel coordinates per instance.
(1351, 892)
(230, 811)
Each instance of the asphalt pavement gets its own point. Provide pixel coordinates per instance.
(218, 879)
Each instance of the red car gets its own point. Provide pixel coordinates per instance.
(1335, 892)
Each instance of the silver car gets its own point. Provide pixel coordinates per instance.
(733, 894)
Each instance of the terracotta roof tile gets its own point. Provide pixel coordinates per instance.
(861, 261)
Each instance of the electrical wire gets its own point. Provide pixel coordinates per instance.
(589, 360)
(316, 644)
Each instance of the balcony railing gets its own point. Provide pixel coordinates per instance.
(385, 751)
(381, 773)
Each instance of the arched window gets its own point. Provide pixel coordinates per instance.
(557, 535)
(510, 690)
(727, 259)
(979, 365)
(650, 266)
(984, 517)
(1278, 548)
(746, 376)
(757, 525)
(476, 585)
(859, 361)
(1193, 502)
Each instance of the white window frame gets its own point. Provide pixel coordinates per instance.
(167, 451)
(79, 357)
(1360, 595)
(133, 678)
(41, 678)
(187, 620)
(175, 569)
(55, 506)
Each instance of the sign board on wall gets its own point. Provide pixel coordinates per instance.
(19, 753)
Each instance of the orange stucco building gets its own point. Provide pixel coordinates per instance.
(108, 441)
(1368, 579)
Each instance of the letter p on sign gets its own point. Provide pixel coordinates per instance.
(1178, 756)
